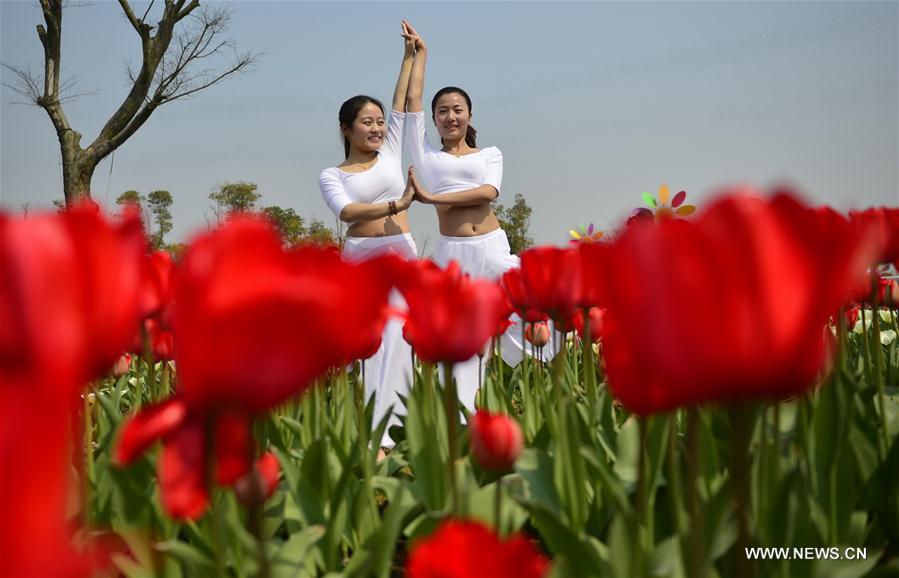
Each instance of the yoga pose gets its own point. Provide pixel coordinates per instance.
(368, 191)
(460, 180)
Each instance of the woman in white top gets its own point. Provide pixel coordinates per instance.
(461, 181)
(368, 191)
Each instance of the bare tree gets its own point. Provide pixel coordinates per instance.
(173, 65)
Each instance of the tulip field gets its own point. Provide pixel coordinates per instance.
(724, 403)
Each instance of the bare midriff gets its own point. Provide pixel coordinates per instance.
(383, 227)
(457, 221)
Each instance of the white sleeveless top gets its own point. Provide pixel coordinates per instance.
(381, 183)
(442, 172)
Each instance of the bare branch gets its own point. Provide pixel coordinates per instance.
(199, 82)
(200, 41)
(27, 86)
(144, 17)
(135, 23)
(185, 11)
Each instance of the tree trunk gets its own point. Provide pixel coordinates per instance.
(77, 168)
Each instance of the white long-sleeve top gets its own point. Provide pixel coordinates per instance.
(442, 172)
(381, 183)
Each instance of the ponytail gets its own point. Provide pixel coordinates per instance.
(470, 136)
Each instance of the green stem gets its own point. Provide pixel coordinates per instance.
(452, 419)
(364, 451)
(218, 539)
(639, 549)
(589, 369)
(674, 488)
(151, 379)
(740, 470)
(88, 452)
(878, 372)
(697, 557)
(254, 514)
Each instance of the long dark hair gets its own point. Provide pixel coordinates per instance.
(470, 132)
(349, 110)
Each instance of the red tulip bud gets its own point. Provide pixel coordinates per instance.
(496, 440)
(537, 333)
(122, 365)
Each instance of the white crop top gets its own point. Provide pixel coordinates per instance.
(442, 172)
(381, 183)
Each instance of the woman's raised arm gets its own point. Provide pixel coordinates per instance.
(402, 81)
(417, 78)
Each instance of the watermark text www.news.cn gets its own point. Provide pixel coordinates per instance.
(832, 553)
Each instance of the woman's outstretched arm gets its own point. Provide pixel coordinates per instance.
(417, 77)
(402, 81)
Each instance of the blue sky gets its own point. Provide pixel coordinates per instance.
(592, 103)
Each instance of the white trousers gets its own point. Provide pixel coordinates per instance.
(388, 373)
(485, 256)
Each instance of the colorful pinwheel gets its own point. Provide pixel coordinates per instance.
(585, 235)
(660, 209)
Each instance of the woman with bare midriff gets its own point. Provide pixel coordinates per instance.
(460, 180)
(368, 191)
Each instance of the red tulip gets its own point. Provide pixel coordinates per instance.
(513, 284)
(464, 549)
(852, 316)
(158, 285)
(254, 324)
(884, 223)
(593, 262)
(496, 440)
(68, 305)
(730, 307)
(552, 281)
(68, 295)
(596, 315)
(162, 341)
(537, 334)
(185, 435)
(450, 316)
(35, 473)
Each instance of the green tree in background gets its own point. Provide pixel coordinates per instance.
(290, 225)
(160, 203)
(515, 221)
(131, 197)
(234, 197)
(320, 233)
(136, 199)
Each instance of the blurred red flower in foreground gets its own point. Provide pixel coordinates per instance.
(68, 297)
(496, 440)
(450, 316)
(253, 326)
(884, 222)
(730, 307)
(68, 306)
(463, 549)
